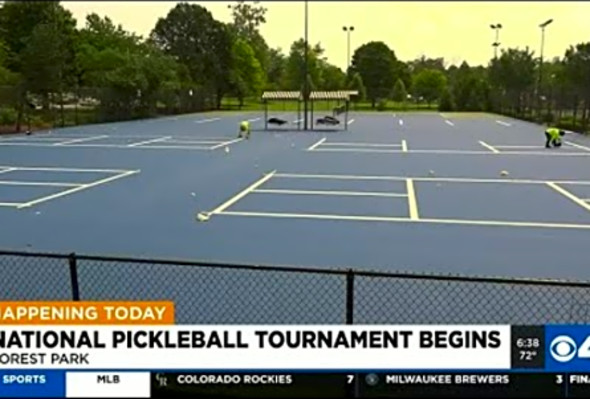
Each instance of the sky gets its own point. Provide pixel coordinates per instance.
(457, 31)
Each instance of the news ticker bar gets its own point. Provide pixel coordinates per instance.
(84, 384)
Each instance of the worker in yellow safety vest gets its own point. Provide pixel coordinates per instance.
(244, 129)
(553, 137)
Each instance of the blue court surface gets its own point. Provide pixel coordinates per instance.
(419, 192)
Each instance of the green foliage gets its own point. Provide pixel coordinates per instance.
(7, 116)
(446, 103)
(382, 104)
(429, 84)
(399, 92)
(376, 63)
(356, 83)
(247, 75)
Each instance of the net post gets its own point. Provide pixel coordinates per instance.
(350, 296)
(73, 263)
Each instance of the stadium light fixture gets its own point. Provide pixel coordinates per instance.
(348, 30)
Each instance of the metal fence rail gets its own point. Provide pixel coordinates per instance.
(216, 293)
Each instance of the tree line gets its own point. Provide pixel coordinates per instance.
(53, 73)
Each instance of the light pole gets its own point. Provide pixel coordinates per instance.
(305, 77)
(540, 79)
(496, 43)
(348, 30)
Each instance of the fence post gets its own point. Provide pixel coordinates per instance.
(74, 277)
(350, 296)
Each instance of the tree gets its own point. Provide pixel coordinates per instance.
(275, 73)
(247, 75)
(513, 73)
(333, 78)
(356, 83)
(446, 101)
(191, 34)
(375, 62)
(429, 84)
(247, 19)
(295, 65)
(419, 64)
(577, 68)
(399, 92)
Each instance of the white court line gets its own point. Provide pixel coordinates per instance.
(78, 188)
(149, 141)
(58, 169)
(496, 223)
(297, 120)
(317, 144)
(253, 120)
(10, 204)
(350, 121)
(489, 147)
(569, 195)
(242, 193)
(38, 183)
(519, 146)
(104, 136)
(174, 141)
(448, 122)
(207, 120)
(354, 149)
(359, 144)
(331, 192)
(404, 146)
(426, 179)
(226, 143)
(503, 123)
(412, 202)
(6, 170)
(578, 146)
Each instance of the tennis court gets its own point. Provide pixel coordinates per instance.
(367, 197)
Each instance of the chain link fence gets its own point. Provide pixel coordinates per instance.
(214, 293)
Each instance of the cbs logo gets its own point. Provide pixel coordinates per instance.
(564, 348)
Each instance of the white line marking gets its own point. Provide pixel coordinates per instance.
(204, 142)
(350, 122)
(207, 120)
(253, 120)
(242, 193)
(81, 140)
(76, 189)
(297, 120)
(331, 192)
(496, 223)
(59, 169)
(582, 147)
(149, 141)
(317, 144)
(569, 195)
(7, 170)
(412, 202)
(404, 146)
(489, 147)
(448, 122)
(38, 183)
(426, 179)
(503, 123)
(226, 143)
(11, 204)
(359, 144)
(519, 146)
(354, 149)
